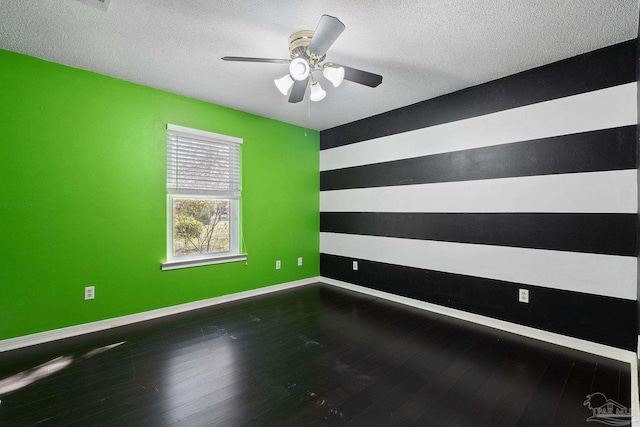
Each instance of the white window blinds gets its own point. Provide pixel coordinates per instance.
(202, 163)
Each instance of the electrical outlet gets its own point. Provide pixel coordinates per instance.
(89, 292)
(278, 265)
(355, 265)
(523, 295)
(299, 261)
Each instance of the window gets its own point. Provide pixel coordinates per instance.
(203, 198)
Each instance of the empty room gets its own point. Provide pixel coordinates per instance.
(319, 214)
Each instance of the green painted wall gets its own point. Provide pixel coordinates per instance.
(82, 172)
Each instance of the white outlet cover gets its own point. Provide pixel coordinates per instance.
(523, 295)
(299, 261)
(278, 265)
(355, 265)
(89, 292)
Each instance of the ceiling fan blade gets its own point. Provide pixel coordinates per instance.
(298, 90)
(247, 59)
(327, 31)
(359, 76)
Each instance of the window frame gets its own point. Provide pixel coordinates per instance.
(193, 260)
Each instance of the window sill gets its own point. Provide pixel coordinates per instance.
(174, 265)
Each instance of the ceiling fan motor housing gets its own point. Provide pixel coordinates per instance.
(298, 44)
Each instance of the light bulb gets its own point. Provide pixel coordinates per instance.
(334, 74)
(317, 93)
(284, 84)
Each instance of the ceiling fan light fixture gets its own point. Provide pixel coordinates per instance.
(299, 69)
(308, 50)
(284, 84)
(334, 74)
(317, 93)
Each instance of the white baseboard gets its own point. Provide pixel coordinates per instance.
(538, 334)
(635, 399)
(101, 325)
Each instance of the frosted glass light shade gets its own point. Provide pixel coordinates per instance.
(334, 74)
(284, 84)
(317, 93)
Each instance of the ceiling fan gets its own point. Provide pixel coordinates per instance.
(308, 49)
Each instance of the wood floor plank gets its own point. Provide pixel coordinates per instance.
(569, 410)
(606, 381)
(447, 367)
(624, 385)
(486, 400)
(446, 407)
(394, 394)
(516, 394)
(545, 399)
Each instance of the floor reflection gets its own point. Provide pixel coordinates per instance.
(25, 378)
(202, 375)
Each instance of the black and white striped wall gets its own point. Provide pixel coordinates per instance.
(527, 182)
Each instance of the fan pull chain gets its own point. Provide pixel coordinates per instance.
(308, 116)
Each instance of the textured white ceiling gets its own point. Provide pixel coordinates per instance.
(422, 48)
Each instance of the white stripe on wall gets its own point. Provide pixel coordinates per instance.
(607, 275)
(590, 192)
(602, 109)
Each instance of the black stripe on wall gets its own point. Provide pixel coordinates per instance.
(610, 66)
(606, 320)
(602, 150)
(601, 233)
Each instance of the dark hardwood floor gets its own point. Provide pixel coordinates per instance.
(311, 356)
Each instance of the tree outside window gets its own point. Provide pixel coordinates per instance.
(201, 226)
